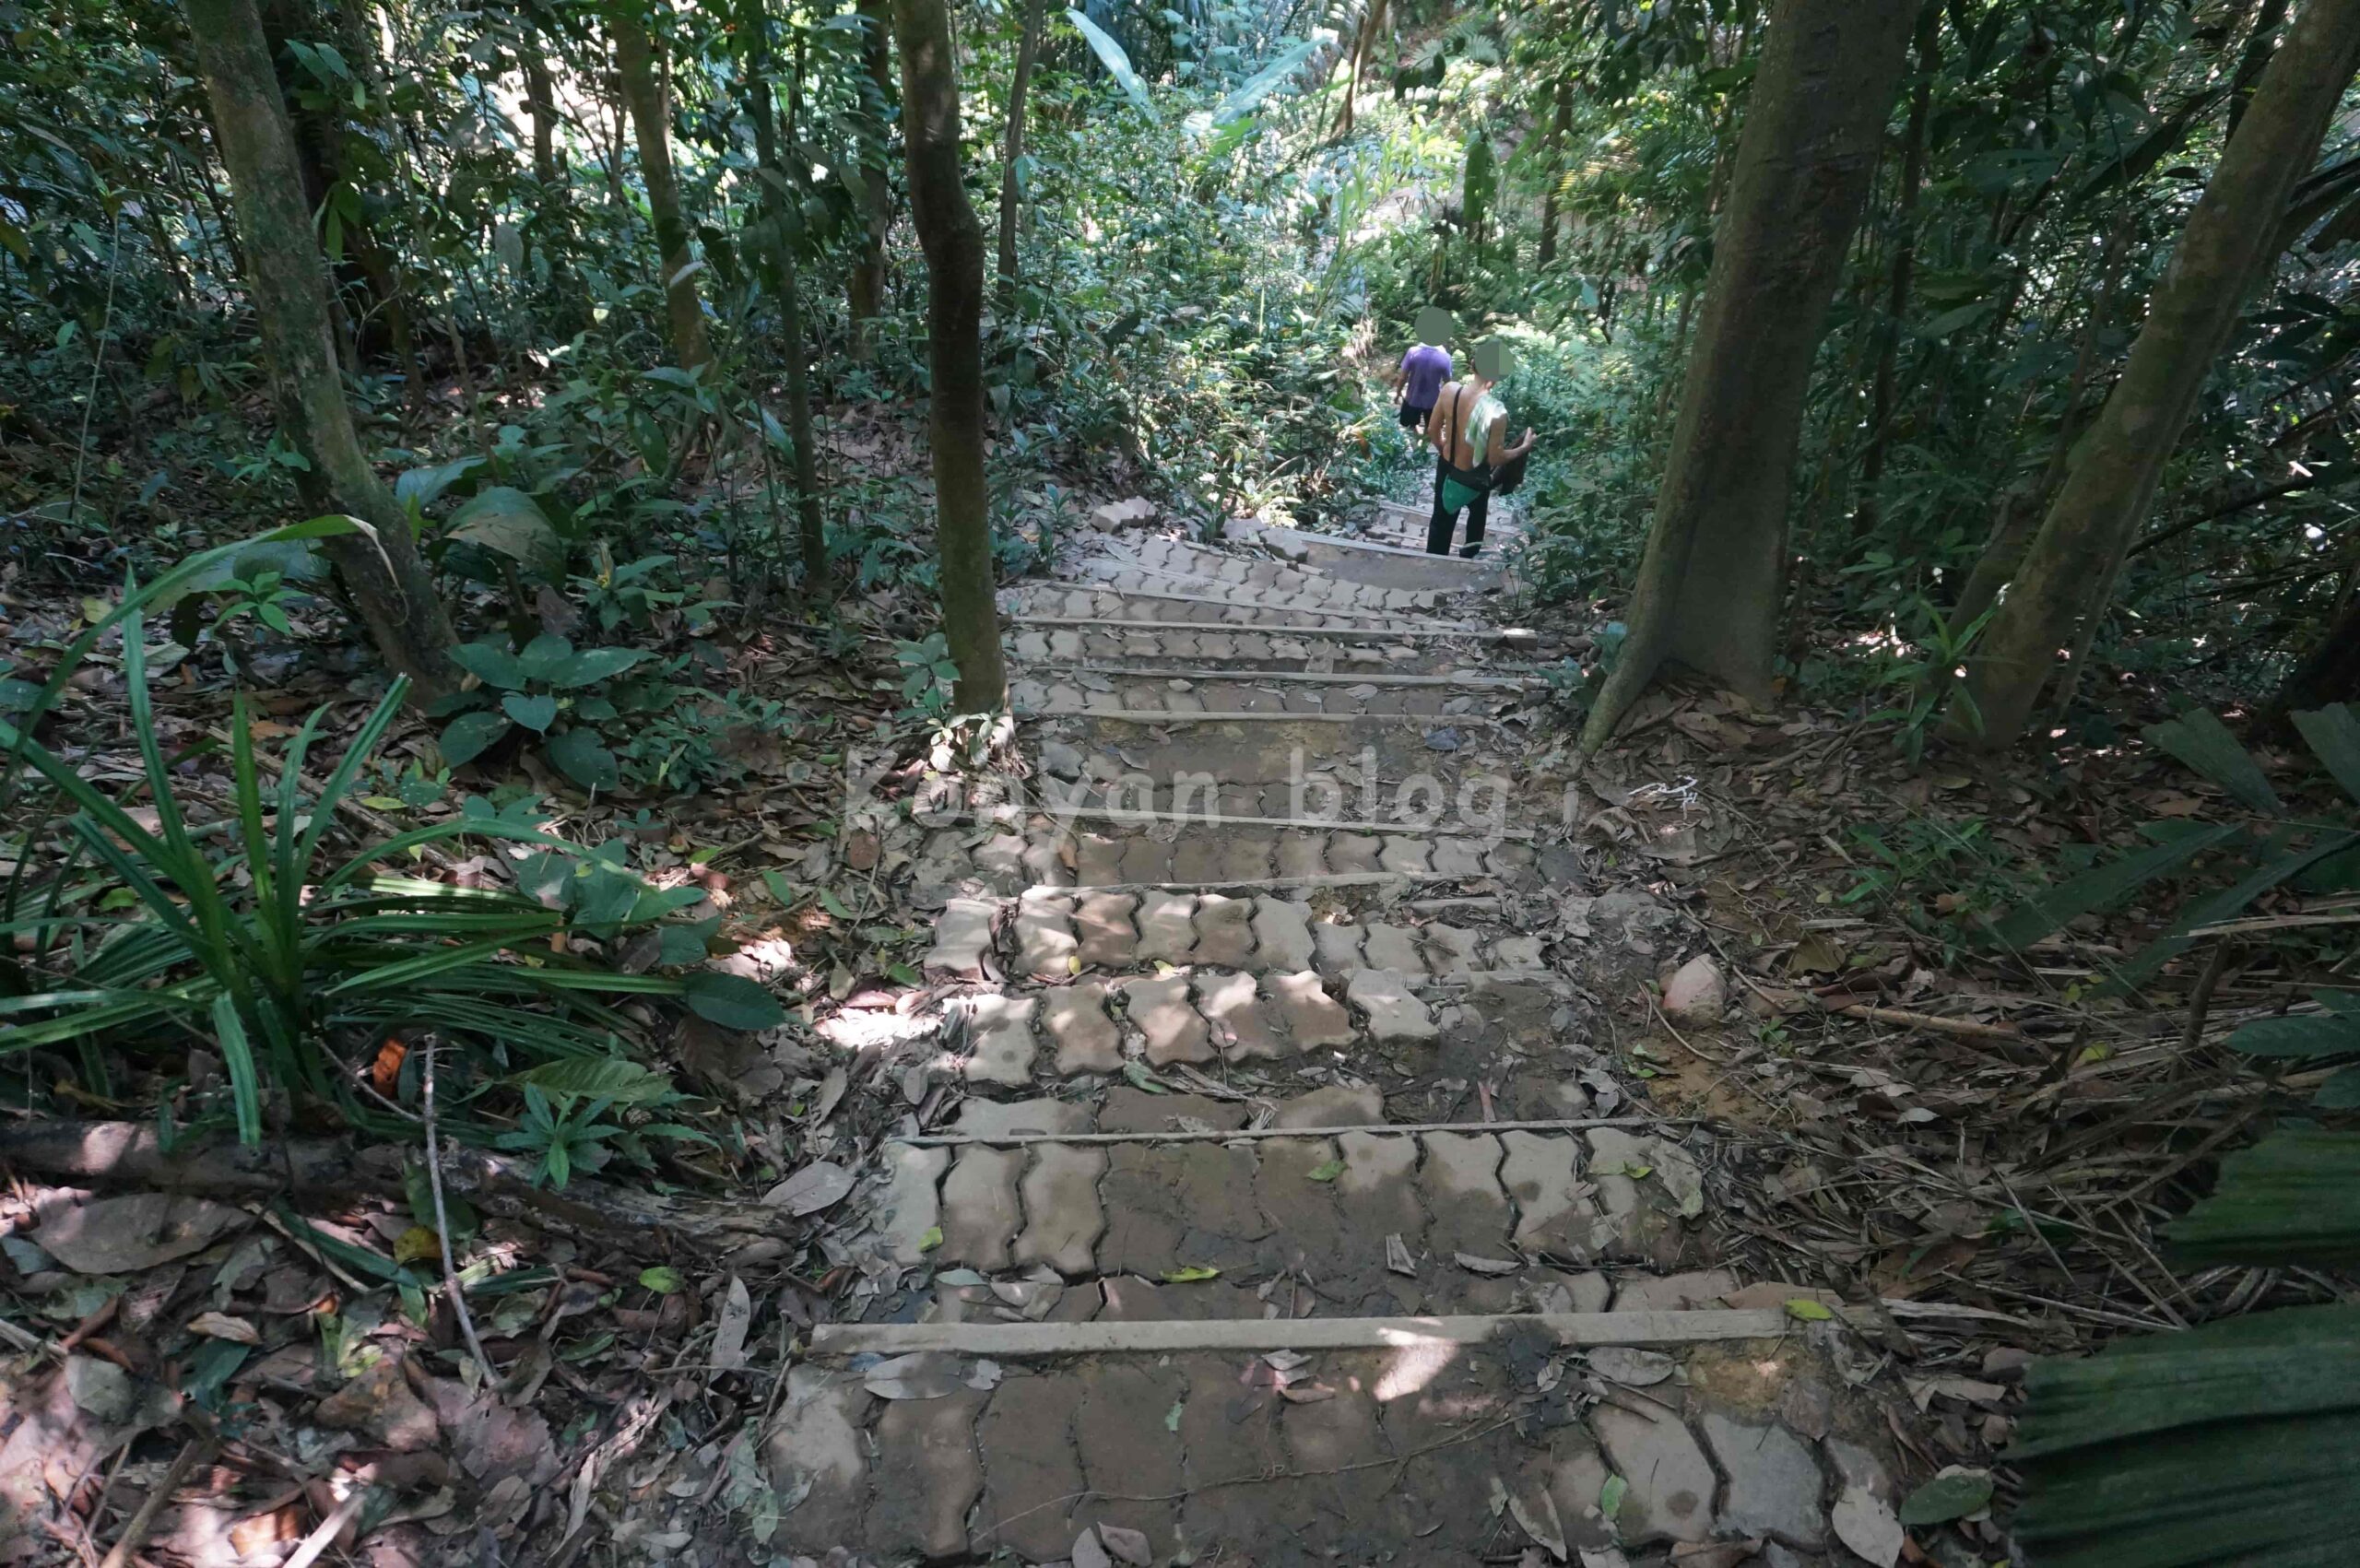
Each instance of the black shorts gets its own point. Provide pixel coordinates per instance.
(1415, 419)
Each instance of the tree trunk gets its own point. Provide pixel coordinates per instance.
(865, 295)
(2331, 674)
(781, 268)
(650, 119)
(1710, 587)
(2250, 65)
(1558, 131)
(388, 582)
(1904, 266)
(953, 243)
(1011, 149)
(2222, 255)
(2020, 511)
(1372, 20)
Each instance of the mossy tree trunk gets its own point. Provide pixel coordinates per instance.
(865, 293)
(2231, 238)
(1904, 268)
(286, 280)
(953, 241)
(1714, 577)
(650, 119)
(777, 249)
(1558, 130)
(1011, 149)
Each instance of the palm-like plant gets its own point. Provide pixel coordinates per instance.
(270, 948)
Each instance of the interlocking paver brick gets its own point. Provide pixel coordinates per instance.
(928, 1476)
(1282, 935)
(1458, 857)
(1303, 854)
(1167, 926)
(1001, 1043)
(1335, 1105)
(1312, 1018)
(980, 1214)
(1231, 1004)
(1354, 852)
(1671, 1482)
(1336, 949)
(1224, 932)
(962, 937)
(1062, 1218)
(1404, 854)
(1392, 947)
(1517, 952)
(1451, 950)
(1552, 1213)
(1045, 944)
(1159, 1011)
(1174, 1206)
(1031, 1471)
(1108, 936)
(1773, 1480)
(815, 1449)
(909, 1206)
(1085, 1037)
(1394, 1015)
(1460, 1181)
(1127, 1452)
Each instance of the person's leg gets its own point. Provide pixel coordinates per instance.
(1438, 531)
(1476, 513)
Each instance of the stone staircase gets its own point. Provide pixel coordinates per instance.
(1291, 1216)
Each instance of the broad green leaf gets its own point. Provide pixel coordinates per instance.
(594, 665)
(2309, 1034)
(1610, 1497)
(1326, 1170)
(2334, 735)
(467, 736)
(1802, 1309)
(2340, 1091)
(663, 1279)
(2199, 739)
(536, 713)
(1945, 1498)
(580, 756)
(1190, 1274)
(507, 522)
(545, 655)
(2229, 902)
(1118, 64)
(626, 1083)
(1264, 82)
(731, 1000)
(931, 1239)
(491, 663)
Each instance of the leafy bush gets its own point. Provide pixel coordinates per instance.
(2268, 849)
(533, 689)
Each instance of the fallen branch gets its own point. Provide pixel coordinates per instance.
(135, 1529)
(129, 1155)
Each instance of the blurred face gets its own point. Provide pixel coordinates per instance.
(1492, 361)
(1434, 327)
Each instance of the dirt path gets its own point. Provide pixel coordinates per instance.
(1296, 1213)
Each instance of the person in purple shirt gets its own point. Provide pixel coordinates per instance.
(1424, 368)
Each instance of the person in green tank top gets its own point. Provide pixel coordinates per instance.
(1469, 432)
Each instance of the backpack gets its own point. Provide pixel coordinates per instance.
(1510, 474)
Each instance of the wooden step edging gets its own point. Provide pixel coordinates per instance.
(1250, 602)
(1165, 716)
(1513, 634)
(1261, 1336)
(1066, 810)
(1467, 682)
(1215, 1135)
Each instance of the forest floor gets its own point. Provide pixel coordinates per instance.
(1276, 982)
